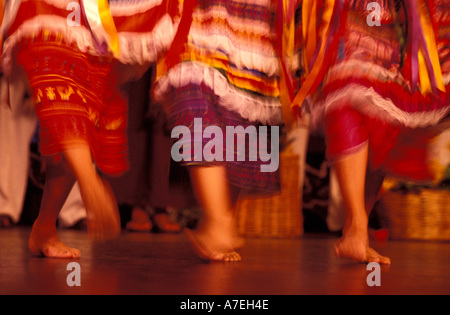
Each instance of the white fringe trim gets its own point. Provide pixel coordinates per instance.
(78, 35)
(355, 68)
(244, 53)
(252, 107)
(129, 8)
(147, 47)
(60, 4)
(369, 102)
(135, 48)
(238, 23)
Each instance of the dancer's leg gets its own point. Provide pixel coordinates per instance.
(374, 181)
(102, 209)
(351, 172)
(214, 238)
(44, 239)
(238, 240)
(103, 218)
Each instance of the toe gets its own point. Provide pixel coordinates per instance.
(76, 253)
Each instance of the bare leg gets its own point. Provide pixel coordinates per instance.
(374, 181)
(238, 241)
(101, 207)
(103, 218)
(214, 238)
(351, 173)
(44, 239)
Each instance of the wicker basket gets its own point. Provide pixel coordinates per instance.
(276, 216)
(423, 215)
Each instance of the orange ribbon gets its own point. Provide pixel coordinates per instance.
(2, 12)
(321, 60)
(173, 54)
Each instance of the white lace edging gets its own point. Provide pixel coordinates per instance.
(60, 4)
(355, 68)
(119, 8)
(369, 102)
(234, 22)
(135, 48)
(265, 110)
(78, 35)
(129, 8)
(244, 53)
(140, 48)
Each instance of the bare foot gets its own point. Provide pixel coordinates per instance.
(355, 245)
(47, 243)
(212, 248)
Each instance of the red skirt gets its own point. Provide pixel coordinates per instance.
(394, 149)
(367, 96)
(77, 101)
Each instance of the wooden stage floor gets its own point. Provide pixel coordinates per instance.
(164, 264)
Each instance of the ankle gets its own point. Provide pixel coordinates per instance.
(356, 227)
(42, 226)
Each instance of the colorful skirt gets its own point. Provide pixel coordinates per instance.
(231, 48)
(202, 134)
(227, 76)
(77, 101)
(75, 75)
(144, 29)
(368, 96)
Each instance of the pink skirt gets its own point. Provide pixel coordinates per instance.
(367, 95)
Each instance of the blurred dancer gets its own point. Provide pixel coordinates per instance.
(227, 75)
(70, 52)
(378, 83)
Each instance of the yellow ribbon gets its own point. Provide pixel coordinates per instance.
(109, 26)
(289, 28)
(424, 72)
(323, 33)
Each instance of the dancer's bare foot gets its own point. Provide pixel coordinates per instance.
(355, 245)
(211, 247)
(45, 242)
